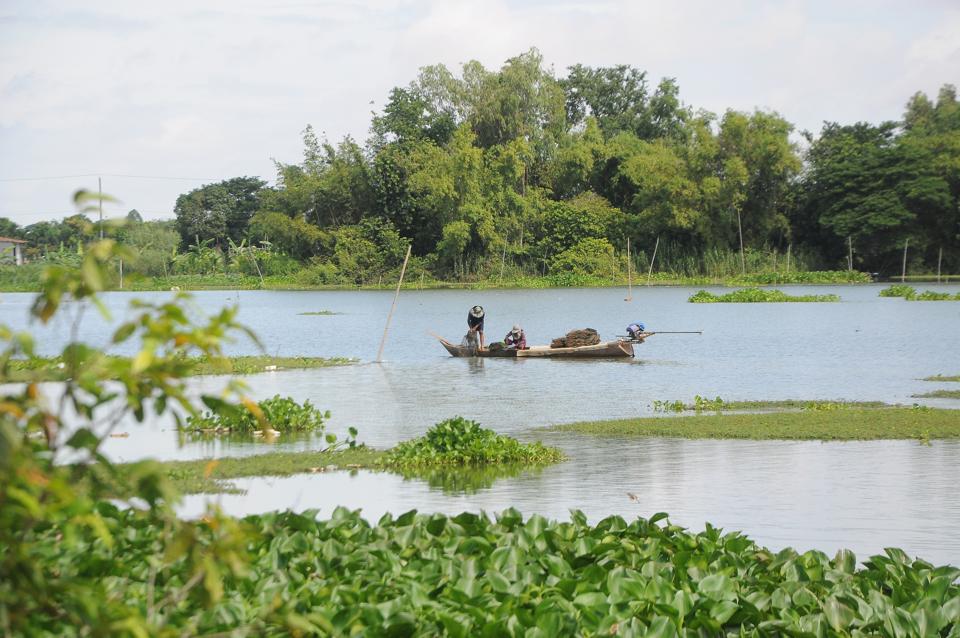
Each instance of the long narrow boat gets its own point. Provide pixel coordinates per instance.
(601, 350)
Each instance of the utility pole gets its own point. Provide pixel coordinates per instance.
(100, 201)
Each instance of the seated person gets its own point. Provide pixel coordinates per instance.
(636, 331)
(516, 339)
(475, 324)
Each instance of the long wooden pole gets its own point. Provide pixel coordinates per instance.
(652, 259)
(100, 200)
(939, 259)
(789, 247)
(903, 273)
(743, 262)
(849, 252)
(629, 274)
(393, 307)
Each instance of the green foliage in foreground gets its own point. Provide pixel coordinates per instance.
(819, 424)
(910, 294)
(60, 368)
(459, 441)
(756, 295)
(470, 575)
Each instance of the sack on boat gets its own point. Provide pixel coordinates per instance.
(577, 338)
(495, 346)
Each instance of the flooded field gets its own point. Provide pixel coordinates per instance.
(862, 495)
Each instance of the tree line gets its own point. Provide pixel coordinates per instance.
(552, 175)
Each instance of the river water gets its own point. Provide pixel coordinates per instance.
(860, 495)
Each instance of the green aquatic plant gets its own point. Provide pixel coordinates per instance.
(757, 295)
(910, 294)
(274, 415)
(475, 575)
(898, 290)
(460, 441)
(930, 295)
(668, 406)
(701, 404)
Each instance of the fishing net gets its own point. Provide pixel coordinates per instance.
(470, 340)
(577, 338)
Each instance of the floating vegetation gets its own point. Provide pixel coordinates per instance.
(757, 295)
(474, 575)
(318, 313)
(898, 290)
(272, 416)
(459, 441)
(826, 421)
(910, 294)
(939, 394)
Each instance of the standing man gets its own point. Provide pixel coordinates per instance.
(475, 323)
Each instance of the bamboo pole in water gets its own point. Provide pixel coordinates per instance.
(903, 273)
(629, 274)
(939, 259)
(393, 307)
(652, 259)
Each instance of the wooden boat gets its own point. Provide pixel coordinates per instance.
(619, 348)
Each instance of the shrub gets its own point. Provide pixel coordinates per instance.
(588, 258)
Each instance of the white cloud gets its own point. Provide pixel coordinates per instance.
(215, 89)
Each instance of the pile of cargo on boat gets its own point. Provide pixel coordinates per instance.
(577, 338)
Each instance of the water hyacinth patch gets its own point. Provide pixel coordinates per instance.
(473, 575)
(276, 414)
(910, 294)
(459, 441)
(757, 295)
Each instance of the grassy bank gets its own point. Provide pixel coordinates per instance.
(940, 377)
(213, 476)
(56, 369)
(703, 404)
(826, 425)
(939, 394)
(17, 281)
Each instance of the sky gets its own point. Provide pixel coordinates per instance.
(160, 98)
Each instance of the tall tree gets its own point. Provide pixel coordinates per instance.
(218, 212)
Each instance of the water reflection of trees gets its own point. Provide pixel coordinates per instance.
(466, 480)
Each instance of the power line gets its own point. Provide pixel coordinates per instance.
(55, 177)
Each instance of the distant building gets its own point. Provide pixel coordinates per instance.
(11, 248)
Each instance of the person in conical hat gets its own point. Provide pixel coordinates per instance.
(475, 323)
